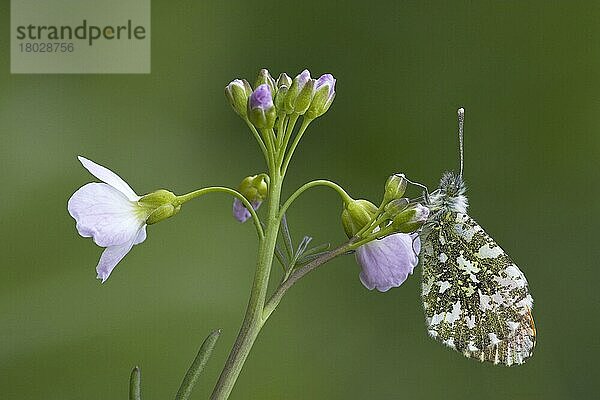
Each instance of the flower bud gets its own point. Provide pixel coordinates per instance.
(323, 97)
(396, 206)
(394, 187)
(283, 80)
(158, 198)
(237, 92)
(357, 214)
(280, 99)
(254, 188)
(293, 102)
(261, 110)
(264, 77)
(411, 219)
(305, 97)
(163, 212)
(283, 84)
(159, 205)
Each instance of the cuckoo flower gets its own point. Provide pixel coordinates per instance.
(387, 262)
(109, 213)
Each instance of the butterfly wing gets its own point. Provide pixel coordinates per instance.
(476, 299)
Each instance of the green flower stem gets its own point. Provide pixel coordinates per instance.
(358, 241)
(376, 221)
(320, 182)
(197, 193)
(274, 140)
(258, 310)
(266, 177)
(282, 120)
(261, 143)
(269, 137)
(300, 273)
(289, 129)
(253, 320)
(288, 156)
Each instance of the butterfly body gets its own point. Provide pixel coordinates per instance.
(476, 299)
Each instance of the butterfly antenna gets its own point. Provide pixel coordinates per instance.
(425, 190)
(461, 125)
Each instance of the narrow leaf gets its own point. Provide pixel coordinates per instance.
(281, 257)
(302, 246)
(287, 238)
(190, 378)
(317, 249)
(135, 381)
(310, 257)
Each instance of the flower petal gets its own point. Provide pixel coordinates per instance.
(387, 262)
(141, 235)
(240, 212)
(112, 255)
(107, 176)
(261, 98)
(105, 214)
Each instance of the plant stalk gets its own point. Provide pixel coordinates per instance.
(253, 320)
(300, 273)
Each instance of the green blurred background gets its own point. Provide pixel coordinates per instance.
(527, 74)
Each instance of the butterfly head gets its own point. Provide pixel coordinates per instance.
(451, 194)
(450, 197)
(452, 184)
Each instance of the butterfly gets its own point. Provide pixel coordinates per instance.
(476, 300)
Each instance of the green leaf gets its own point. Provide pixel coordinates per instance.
(283, 260)
(302, 246)
(193, 373)
(318, 249)
(310, 257)
(287, 238)
(135, 380)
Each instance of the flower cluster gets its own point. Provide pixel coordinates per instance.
(392, 244)
(271, 110)
(385, 238)
(272, 99)
(386, 235)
